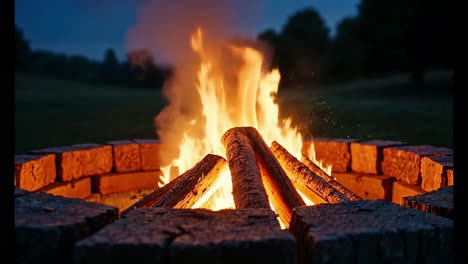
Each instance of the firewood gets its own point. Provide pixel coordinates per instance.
(283, 196)
(194, 184)
(308, 182)
(319, 172)
(152, 198)
(247, 188)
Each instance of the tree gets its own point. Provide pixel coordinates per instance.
(23, 50)
(110, 66)
(346, 55)
(303, 48)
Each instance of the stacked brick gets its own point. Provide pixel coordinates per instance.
(407, 209)
(389, 170)
(91, 171)
(126, 170)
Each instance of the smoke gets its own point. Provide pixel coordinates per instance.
(164, 28)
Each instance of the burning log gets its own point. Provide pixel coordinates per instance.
(193, 183)
(305, 179)
(154, 197)
(319, 172)
(247, 188)
(283, 195)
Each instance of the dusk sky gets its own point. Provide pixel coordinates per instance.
(88, 28)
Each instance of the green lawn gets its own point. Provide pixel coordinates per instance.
(57, 113)
(387, 109)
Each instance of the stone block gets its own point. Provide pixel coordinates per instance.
(125, 182)
(434, 172)
(404, 162)
(80, 160)
(33, 172)
(438, 202)
(366, 186)
(366, 157)
(126, 155)
(333, 152)
(47, 226)
(401, 189)
(190, 236)
(79, 188)
(371, 231)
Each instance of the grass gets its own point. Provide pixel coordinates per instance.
(387, 109)
(58, 113)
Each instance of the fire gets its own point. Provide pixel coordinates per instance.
(241, 94)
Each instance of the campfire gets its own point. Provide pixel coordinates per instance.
(262, 177)
(228, 157)
(232, 126)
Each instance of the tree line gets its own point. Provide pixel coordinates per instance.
(385, 37)
(139, 69)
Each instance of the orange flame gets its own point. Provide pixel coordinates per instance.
(240, 94)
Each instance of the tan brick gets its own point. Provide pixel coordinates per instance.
(81, 160)
(434, 172)
(124, 200)
(149, 154)
(401, 189)
(126, 156)
(438, 202)
(33, 172)
(366, 186)
(449, 177)
(334, 152)
(125, 182)
(403, 162)
(367, 156)
(79, 188)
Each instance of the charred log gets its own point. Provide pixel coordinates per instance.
(321, 173)
(194, 183)
(247, 188)
(308, 182)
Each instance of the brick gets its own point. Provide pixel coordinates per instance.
(366, 186)
(449, 177)
(371, 231)
(434, 172)
(335, 152)
(121, 200)
(126, 155)
(80, 160)
(125, 182)
(79, 188)
(367, 156)
(438, 202)
(33, 172)
(190, 236)
(401, 189)
(403, 162)
(149, 154)
(47, 226)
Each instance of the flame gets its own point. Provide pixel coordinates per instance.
(241, 94)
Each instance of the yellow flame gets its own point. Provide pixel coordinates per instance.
(249, 100)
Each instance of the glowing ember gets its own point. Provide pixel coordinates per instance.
(235, 89)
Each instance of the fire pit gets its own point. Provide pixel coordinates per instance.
(70, 225)
(233, 182)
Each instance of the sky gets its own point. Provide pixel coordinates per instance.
(89, 27)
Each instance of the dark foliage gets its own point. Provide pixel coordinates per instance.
(79, 68)
(386, 37)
